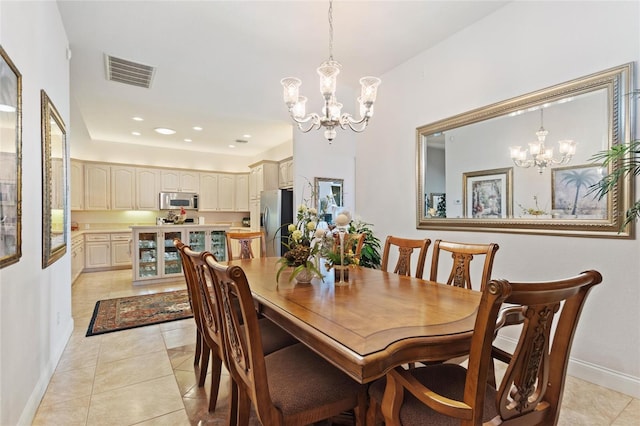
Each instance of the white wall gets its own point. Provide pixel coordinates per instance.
(35, 304)
(524, 46)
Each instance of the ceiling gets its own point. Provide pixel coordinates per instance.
(218, 64)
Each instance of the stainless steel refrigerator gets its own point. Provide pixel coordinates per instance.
(276, 211)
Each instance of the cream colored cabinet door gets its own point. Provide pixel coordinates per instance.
(254, 213)
(208, 196)
(255, 182)
(242, 193)
(97, 251)
(226, 192)
(147, 188)
(121, 249)
(77, 185)
(77, 257)
(285, 174)
(180, 181)
(123, 188)
(97, 186)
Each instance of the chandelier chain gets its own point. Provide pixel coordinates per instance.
(331, 30)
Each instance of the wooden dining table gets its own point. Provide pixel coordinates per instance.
(373, 323)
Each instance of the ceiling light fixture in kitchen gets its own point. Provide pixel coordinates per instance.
(197, 128)
(164, 131)
(137, 118)
(188, 140)
(135, 133)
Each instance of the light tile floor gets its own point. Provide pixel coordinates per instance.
(146, 375)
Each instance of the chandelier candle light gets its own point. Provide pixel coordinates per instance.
(541, 156)
(331, 116)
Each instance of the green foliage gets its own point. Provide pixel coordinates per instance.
(370, 254)
(626, 161)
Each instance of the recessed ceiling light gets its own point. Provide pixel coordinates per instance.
(137, 118)
(135, 133)
(246, 136)
(164, 131)
(198, 128)
(188, 140)
(232, 146)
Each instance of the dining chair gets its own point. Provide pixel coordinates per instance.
(245, 239)
(531, 389)
(292, 386)
(405, 247)
(202, 350)
(206, 309)
(462, 254)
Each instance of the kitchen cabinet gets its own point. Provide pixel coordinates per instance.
(242, 193)
(97, 186)
(285, 174)
(155, 259)
(179, 181)
(123, 188)
(77, 185)
(223, 192)
(77, 256)
(147, 188)
(262, 176)
(97, 251)
(254, 214)
(121, 249)
(107, 250)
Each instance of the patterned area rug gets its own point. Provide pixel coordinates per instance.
(138, 311)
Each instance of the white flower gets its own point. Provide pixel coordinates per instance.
(296, 235)
(302, 208)
(320, 233)
(291, 227)
(313, 211)
(311, 226)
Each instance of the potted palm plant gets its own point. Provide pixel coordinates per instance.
(627, 157)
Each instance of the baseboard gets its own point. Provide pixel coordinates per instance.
(31, 407)
(592, 373)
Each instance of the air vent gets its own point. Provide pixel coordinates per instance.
(128, 72)
(241, 141)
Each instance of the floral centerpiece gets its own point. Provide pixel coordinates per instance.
(340, 250)
(303, 244)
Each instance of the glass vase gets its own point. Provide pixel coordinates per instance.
(304, 276)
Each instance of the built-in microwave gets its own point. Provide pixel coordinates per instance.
(176, 200)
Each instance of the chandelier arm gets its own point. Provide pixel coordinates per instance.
(346, 120)
(312, 119)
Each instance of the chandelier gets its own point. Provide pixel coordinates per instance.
(331, 116)
(541, 156)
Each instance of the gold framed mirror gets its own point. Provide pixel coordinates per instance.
(10, 161)
(329, 197)
(552, 198)
(54, 183)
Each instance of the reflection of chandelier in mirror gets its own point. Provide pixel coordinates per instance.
(541, 156)
(331, 111)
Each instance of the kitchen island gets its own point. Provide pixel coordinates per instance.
(155, 259)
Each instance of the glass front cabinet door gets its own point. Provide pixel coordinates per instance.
(146, 250)
(172, 263)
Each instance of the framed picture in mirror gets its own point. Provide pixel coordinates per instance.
(571, 195)
(10, 161)
(487, 193)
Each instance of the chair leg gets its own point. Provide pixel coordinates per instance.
(373, 413)
(244, 408)
(196, 358)
(216, 368)
(204, 365)
(232, 416)
(360, 411)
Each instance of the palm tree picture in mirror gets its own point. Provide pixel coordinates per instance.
(570, 192)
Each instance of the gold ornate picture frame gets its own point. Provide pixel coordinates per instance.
(10, 161)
